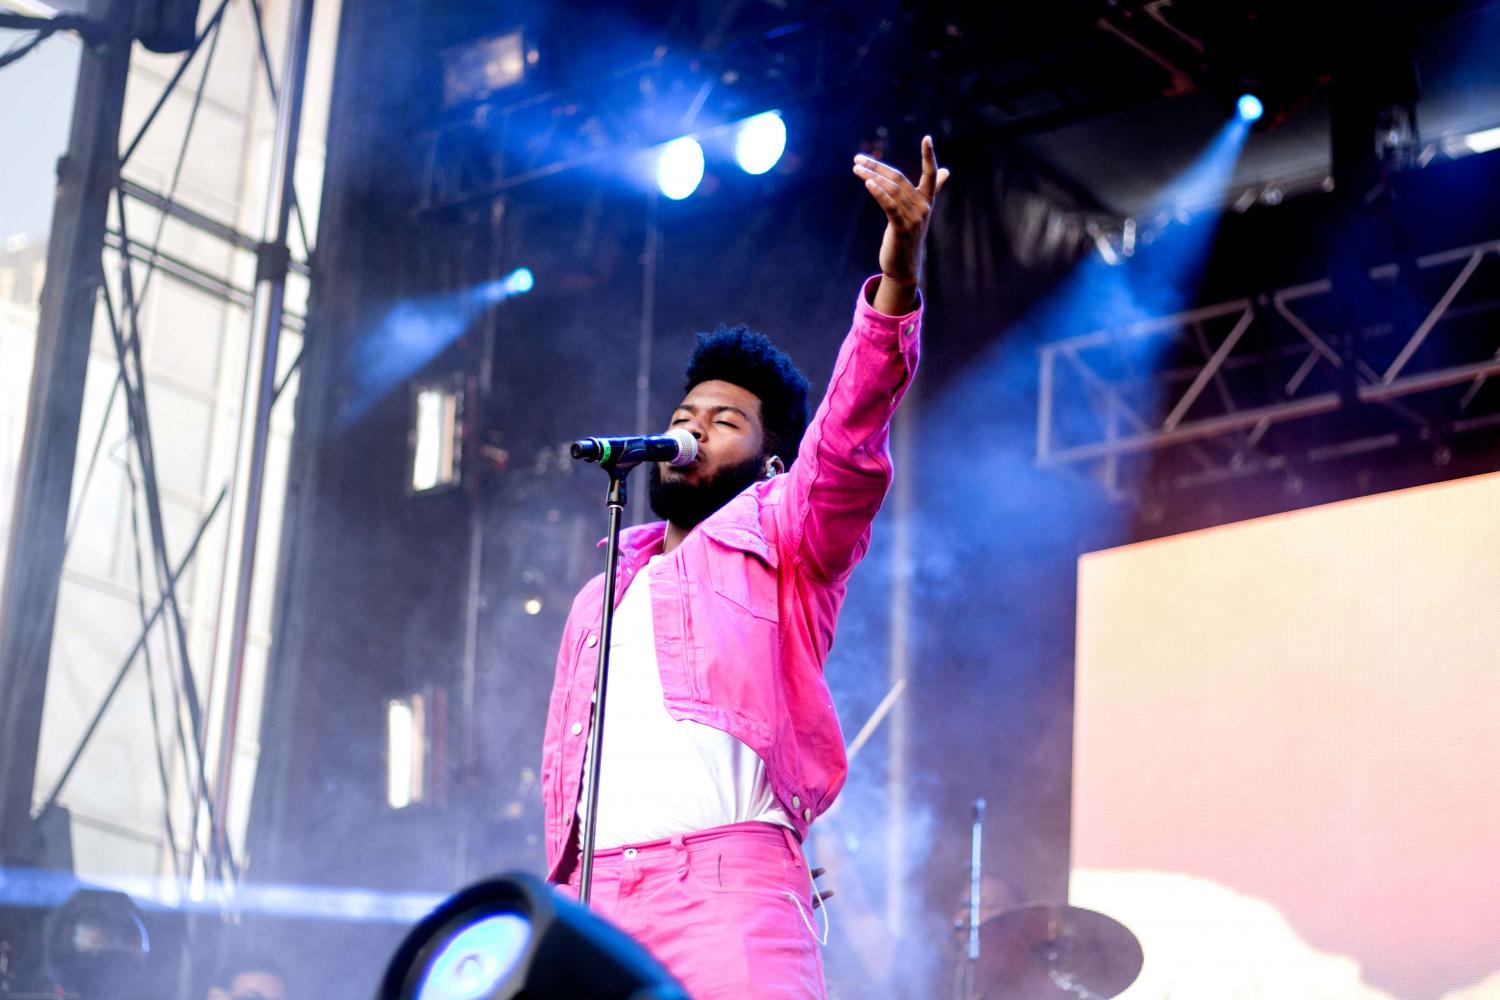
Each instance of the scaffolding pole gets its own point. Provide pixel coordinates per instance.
(86, 177)
(273, 263)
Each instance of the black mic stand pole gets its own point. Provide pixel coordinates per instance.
(615, 501)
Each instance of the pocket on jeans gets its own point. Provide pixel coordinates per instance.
(762, 872)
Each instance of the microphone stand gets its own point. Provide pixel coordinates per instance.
(970, 975)
(976, 838)
(615, 501)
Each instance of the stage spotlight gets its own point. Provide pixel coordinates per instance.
(760, 142)
(477, 959)
(475, 71)
(1483, 142)
(520, 281)
(406, 734)
(1249, 108)
(679, 168)
(514, 936)
(95, 944)
(436, 435)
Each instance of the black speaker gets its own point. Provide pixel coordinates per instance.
(166, 25)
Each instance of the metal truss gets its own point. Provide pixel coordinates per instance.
(138, 262)
(514, 137)
(1214, 381)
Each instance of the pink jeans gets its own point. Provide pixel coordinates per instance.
(727, 910)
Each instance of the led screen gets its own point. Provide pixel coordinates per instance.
(1287, 751)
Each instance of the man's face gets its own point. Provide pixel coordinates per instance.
(731, 441)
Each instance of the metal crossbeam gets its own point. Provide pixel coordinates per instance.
(1209, 370)
(90, 177)
(1379, 365)
(728, 78)
(200, 221)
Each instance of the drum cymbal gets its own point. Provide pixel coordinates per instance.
(1050, 950)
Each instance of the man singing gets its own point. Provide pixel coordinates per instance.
(721, 745)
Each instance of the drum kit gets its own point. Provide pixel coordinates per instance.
(1039, 951)
(1049, 951)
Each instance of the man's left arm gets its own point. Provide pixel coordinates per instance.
(843, 468)
(908, 210)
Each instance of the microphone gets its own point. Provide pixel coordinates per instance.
(676, 447)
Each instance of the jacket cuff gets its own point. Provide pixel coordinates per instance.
(899, 332)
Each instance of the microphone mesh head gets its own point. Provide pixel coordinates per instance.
(688, 444)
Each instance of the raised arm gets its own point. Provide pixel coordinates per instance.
(843, 468)
(908, 210)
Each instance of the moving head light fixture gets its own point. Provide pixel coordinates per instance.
(475, 71)
(60, 939)
(96, 945)
(758, 141)
(513, 937)
(435, 438)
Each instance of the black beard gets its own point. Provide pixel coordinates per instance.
(686, 504)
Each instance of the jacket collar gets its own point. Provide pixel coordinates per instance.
(639, 543)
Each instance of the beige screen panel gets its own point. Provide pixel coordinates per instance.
(1287, 750)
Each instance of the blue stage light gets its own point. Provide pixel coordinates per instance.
(477, 959)
(513, 937)
(760, 142)
(520, 281)
(1249, 108)
(679, 168)
(414, 331)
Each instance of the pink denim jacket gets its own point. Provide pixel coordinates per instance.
(744, 609)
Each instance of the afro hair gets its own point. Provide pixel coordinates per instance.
(742, 357)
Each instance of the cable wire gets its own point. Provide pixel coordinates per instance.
(45, 28)
(22, 47)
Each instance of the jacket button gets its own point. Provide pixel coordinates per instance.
(577, 728)
(593, 641)
(807, 814)
(796, 802)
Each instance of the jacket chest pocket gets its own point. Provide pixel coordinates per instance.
(742, 569)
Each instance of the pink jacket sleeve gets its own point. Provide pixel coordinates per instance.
(843, 468)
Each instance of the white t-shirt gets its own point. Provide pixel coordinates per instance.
(663, 776)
